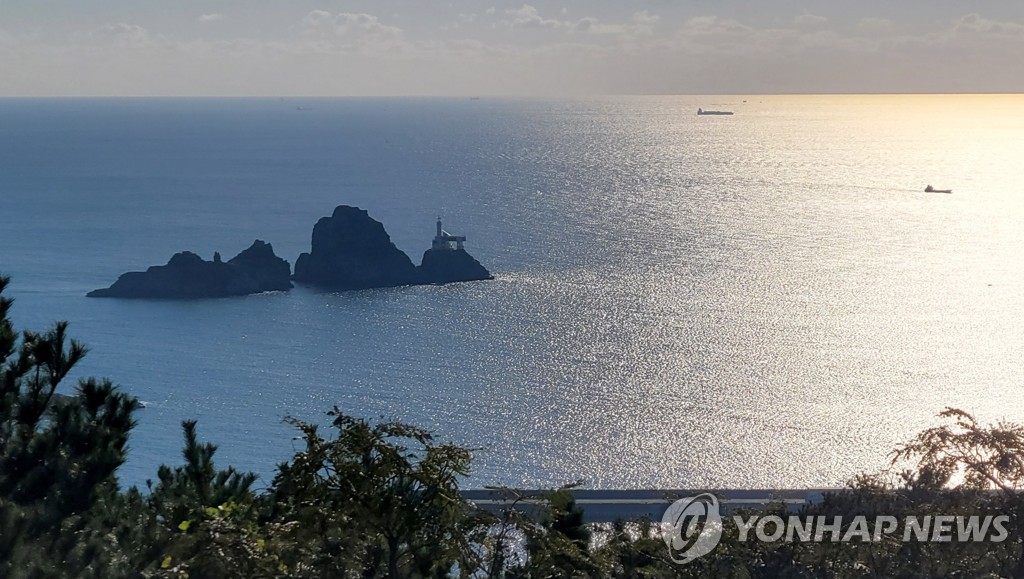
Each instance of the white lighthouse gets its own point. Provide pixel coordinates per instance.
(443, 239)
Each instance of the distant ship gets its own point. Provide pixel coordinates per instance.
(930, 189)
(704, 112)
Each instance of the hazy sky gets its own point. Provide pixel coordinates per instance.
(417, 47)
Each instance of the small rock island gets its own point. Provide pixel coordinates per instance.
(351, 250)
(443, 263)
(188, 276)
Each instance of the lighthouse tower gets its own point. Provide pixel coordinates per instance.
(443, 240)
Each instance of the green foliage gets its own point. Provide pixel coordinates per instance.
(969, 454)
(224, 542)
(557, 542)
(188, 490)
(58, 457)
(376, 500)
(203, 520)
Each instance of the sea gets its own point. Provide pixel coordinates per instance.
(762, 300)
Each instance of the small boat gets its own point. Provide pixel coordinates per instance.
(930, 189)
(704, 112)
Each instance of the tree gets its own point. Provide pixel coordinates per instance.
(971, 455)
(377, 500)
(205, 520)
(188, 490)
(58, 456)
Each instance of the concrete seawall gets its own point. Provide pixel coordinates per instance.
(605, 506)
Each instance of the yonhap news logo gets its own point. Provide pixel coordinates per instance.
(692, 528)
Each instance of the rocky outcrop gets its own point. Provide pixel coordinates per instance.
(270, 271)
(450, 265)
(188, 276)
(351, 250)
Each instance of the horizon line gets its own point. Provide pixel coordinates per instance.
(502, 96)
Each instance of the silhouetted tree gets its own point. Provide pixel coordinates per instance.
(376, 500)
(58, 456)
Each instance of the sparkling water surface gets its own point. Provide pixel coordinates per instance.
(767, 299)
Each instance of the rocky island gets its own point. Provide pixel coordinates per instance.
(351, 250)
(188, 276)
(443, 263)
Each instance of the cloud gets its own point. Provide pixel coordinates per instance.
(317, 18)
(713, 25)
(975, 24)
(214, 17)
(876, 24)
(645, 17)
(639, 24)
(350, 25)
(529, 17)
(587, 24)
(722, 40)
(462, 20)
(522, 50)
(711, 35)
(353, 32)
(809, 20)
(121, 33)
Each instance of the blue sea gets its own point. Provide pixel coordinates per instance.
(767, 299)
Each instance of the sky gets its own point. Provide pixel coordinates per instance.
(539, 47)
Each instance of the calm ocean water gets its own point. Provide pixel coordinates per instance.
(766, 299)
